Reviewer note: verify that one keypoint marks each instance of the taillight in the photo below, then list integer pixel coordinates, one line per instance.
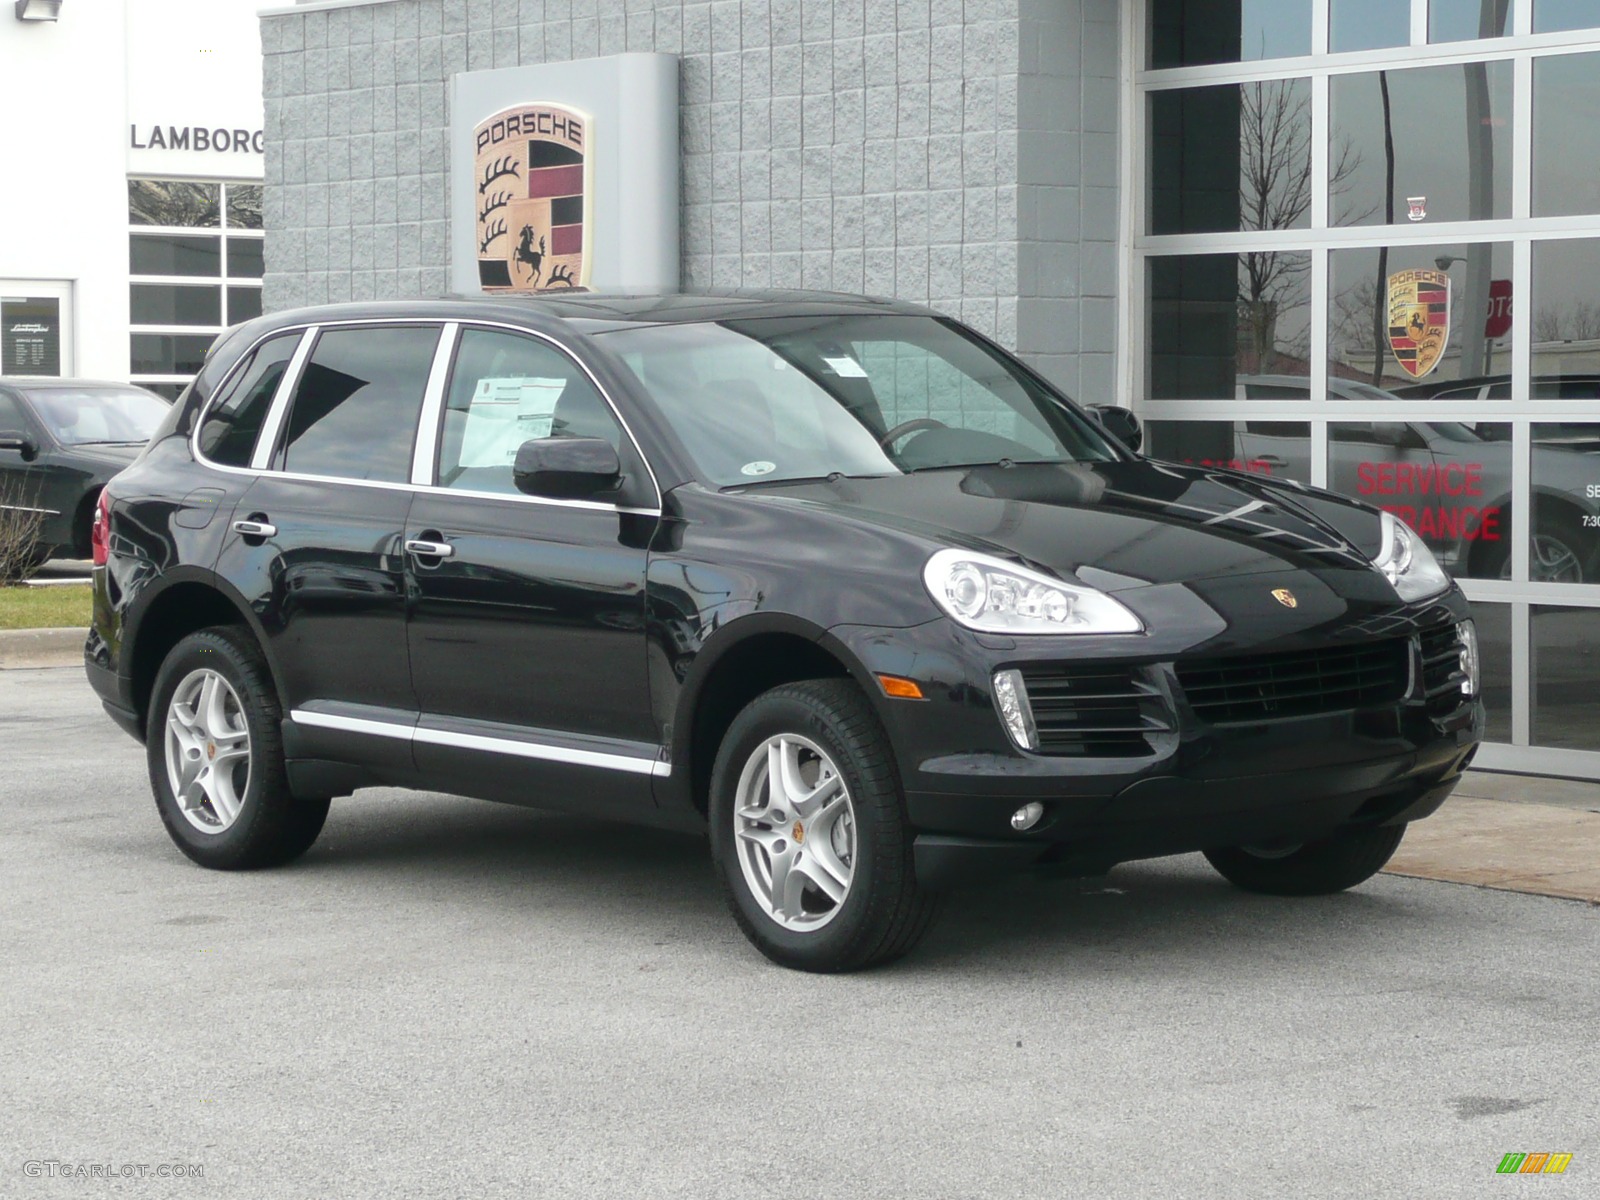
(100, 532)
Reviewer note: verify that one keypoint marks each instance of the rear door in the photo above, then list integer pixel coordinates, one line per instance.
(21, 483)
(315, 542)
(526, 634)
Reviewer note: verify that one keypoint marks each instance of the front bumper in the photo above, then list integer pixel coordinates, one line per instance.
(1194, 786)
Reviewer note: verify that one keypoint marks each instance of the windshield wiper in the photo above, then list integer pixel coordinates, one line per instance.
(831, 477)
(111, 442)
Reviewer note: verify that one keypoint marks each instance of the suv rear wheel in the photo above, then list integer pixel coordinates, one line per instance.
(215, 754)
(1318, 868)
(809, 834)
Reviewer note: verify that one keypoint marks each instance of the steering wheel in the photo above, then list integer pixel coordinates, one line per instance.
(912, 426)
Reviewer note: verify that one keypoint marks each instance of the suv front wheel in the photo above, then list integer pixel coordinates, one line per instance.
(809, 834)
(215, 754)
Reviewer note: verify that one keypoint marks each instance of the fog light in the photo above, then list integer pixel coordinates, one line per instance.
(1011, 698)
(1027, 816)
(1467, 636)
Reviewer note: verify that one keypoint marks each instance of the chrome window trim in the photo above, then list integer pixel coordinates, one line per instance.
(280, 402)
(426, 447)
(542, 751)
(261, 456)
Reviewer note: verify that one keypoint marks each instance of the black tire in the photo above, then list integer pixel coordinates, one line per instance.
(1316, 869)
(883, 912)
(271, 827)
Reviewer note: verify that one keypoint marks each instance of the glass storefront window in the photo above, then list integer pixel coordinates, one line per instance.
(244, 206)
(1552, 15)
(1279, 449)
(1566, 662)
(1368, 24)
(1448, 480)
(172, 202)
(1566, 503)
(171, 254)
(1494, 657)
(1187, 33)
(1232, 157)
(1566, 137)
(174, 304)
(1566, 320)
(169, 353)
(1467, 20)
(1405, 320)
(1421, 144)
(1220, 322)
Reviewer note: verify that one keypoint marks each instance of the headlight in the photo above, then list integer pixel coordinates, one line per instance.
(1407, 563)
(995, 596)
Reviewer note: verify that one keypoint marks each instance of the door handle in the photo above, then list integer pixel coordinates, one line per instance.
(430, 549)
(259, 529)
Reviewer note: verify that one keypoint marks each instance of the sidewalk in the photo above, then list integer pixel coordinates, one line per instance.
(1516, 833)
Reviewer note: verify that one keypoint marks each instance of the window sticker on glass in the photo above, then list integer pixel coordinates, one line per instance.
(846, 368)
(505, 413)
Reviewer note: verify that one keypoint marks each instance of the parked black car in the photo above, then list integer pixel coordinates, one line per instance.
(837, 579)
(60, 440)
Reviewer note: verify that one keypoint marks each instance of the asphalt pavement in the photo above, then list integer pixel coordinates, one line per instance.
(451, 998)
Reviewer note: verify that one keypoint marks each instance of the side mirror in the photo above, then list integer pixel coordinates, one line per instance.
(566, 468)
(24, 445)
(1120, 423)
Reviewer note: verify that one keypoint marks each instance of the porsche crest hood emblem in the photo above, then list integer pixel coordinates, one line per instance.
(1285, 597)
(531, 176)
(1419, 319)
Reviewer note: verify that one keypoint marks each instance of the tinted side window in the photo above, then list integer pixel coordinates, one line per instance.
(507, 389)
(11, 414)
(228, 436)
(355, 408)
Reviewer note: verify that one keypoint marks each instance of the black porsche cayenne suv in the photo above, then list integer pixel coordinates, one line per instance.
(836, 579)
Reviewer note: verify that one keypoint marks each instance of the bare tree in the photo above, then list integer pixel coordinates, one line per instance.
(1275, 193)
(20, 523)
(1577, 322)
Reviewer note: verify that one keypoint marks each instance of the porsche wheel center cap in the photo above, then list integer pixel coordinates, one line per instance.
(799, 832)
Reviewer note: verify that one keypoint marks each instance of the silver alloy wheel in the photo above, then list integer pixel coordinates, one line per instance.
(1550, 560)
(208, 751)
(795, 832)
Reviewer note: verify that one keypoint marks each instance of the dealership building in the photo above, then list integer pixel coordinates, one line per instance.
(130, 207)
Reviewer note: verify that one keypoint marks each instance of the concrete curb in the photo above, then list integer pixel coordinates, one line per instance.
(25, 649)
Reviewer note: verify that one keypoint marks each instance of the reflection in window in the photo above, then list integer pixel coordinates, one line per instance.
(1566, 137)
(1368, 24)
(1566, 503)
(1232, 157)
(1219, 322)
(1185, 33)
(1467, 20)
(1448, 480)
(244, 205)
(1566, 662)
(1277, 449)
(1494, 657)
(174, 304)
(1566, 320)
(1422, 144)
(1552, 15)
(229, 434)
(172, 202)
(354, 414)
(1419, 321)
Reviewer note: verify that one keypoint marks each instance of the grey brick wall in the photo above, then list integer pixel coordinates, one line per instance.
(959, 153)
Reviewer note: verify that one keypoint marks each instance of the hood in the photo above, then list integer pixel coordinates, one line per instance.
(1114, 525)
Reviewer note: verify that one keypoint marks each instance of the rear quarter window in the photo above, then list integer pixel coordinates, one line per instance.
(228, 434)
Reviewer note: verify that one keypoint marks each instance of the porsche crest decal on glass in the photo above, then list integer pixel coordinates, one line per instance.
(1419, 319)
(531, 174)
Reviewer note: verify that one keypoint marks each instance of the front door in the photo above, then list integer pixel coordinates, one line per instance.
(526, 633)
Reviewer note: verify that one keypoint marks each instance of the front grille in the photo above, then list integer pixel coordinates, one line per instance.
(1261, 687)
(1093, 711)
(1442, 675)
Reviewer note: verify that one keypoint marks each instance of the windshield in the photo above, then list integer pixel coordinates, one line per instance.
(804, 398)
(98, 416)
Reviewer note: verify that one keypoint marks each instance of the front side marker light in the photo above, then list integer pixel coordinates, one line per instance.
(899, 688)
(1011, 698)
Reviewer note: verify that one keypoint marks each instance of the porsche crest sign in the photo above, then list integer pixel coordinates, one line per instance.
(1419, 319)
(534, 199)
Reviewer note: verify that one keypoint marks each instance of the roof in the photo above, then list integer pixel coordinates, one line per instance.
(35, 382)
